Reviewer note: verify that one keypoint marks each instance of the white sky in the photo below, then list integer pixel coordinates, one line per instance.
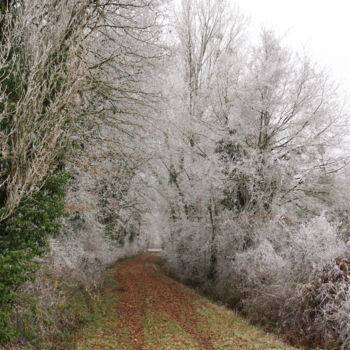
(320, 27)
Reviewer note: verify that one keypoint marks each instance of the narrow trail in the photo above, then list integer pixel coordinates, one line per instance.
(147, 310)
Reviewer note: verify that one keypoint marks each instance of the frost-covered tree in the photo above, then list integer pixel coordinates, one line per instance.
(207, 43)
(117, 107)
(248, 170)
(75, 93)
(285, 126)
(41, 74)
(209, 37)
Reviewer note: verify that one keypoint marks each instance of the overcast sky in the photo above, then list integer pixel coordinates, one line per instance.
(322, 27)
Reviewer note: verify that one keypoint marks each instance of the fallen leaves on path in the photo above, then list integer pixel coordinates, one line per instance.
(150, 311)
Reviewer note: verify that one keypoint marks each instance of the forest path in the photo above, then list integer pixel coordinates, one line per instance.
(147, 310)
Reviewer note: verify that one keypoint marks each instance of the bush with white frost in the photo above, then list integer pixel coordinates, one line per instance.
(249, 176)
(313, 245)
(290, 277)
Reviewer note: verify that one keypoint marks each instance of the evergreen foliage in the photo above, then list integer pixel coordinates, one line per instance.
(23, 236)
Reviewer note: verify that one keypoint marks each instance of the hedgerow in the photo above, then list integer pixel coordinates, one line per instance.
(23, 236)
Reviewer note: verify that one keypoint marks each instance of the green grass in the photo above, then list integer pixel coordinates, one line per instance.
(104, 330)
(227, 330)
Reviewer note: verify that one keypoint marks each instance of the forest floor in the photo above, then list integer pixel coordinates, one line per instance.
(147, 310)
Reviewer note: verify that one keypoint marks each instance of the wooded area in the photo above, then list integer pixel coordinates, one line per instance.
(135, 124)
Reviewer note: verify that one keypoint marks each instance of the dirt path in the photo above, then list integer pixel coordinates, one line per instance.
(149, 311)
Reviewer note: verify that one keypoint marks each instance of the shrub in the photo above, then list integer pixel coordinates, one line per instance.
(287, 276)
(23, 236)
(49, 310)
(322, 306)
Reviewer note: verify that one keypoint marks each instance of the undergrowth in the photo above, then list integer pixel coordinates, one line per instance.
(23, 237)
(49, 313)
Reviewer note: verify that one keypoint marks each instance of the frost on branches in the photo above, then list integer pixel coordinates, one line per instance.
(250, 174)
